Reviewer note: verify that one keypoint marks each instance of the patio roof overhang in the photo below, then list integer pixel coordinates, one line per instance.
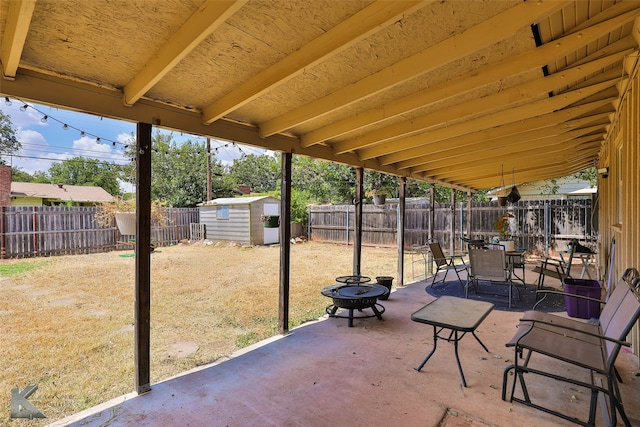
(445, 92)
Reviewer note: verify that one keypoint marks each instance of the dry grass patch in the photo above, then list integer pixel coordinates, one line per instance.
(67, 323)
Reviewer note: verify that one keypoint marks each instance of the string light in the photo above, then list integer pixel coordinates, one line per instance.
(126, 145)
(45, 118)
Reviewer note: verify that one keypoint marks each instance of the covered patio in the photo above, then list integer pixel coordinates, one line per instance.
(451, 93)
(325, 373)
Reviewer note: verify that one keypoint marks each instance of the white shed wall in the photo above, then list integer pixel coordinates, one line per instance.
(236, 228)
(243, 225)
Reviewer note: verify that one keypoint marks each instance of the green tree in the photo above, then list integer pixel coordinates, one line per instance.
(41, 177)
(261, 172)
(82, 171)
(179, 172)
(323, 181)
(589, 174)
(9, 144)
(18, 175)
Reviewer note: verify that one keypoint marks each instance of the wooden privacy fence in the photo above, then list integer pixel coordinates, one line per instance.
(28, 231)
(542, 226)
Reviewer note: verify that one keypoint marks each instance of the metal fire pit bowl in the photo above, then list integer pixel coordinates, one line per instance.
(355, 297)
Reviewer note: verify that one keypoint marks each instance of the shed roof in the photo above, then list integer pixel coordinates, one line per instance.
(67, 193)
(439, 91)
(236, 200)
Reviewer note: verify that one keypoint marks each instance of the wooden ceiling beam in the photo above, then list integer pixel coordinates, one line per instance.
(529, 137)
(524, 175)
(471, 166)
(514, 114)
(209, 16)
(30, 85)
(489, 32)
(455, 137)
(14, 36)
(479, 78)
(350, 31)
(559, 168)
(480, 151)
(503, 100)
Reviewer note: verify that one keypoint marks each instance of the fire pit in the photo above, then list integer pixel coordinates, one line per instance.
(355, 297)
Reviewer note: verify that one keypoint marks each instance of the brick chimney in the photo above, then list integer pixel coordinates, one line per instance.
(244, 188)
(5, 185)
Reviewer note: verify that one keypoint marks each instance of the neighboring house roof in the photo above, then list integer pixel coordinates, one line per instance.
(236, 200)
(540, 189)
(71, 193)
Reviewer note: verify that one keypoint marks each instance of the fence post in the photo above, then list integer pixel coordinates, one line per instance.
(347, 230)
(309, 223)
(546, 228)
(35, 230)
(452, 237)
(400, 225)
(461, 226)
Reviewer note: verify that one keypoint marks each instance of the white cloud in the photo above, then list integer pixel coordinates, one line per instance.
(19, 118)
(125, 138)
(28, 137)
(87, 146)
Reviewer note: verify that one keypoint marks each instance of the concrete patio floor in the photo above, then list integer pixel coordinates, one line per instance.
(325, 373)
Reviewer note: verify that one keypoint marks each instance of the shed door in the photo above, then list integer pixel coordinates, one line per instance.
(271, 235)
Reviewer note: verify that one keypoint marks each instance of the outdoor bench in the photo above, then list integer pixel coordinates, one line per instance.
(591, 347)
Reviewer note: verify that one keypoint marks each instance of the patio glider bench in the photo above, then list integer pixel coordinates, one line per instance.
(590, 348)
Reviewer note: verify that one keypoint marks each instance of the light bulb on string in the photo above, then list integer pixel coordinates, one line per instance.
(24, 107)
(65, 126)
(7, 101)
(44, 119)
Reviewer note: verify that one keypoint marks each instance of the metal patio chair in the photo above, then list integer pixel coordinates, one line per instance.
(489, 265)
(446, 263)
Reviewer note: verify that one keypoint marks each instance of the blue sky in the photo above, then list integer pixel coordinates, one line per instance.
(46, 141)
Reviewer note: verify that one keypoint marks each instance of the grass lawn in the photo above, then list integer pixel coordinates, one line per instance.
(66, 323)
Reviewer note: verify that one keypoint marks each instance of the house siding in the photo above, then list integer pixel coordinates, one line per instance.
(619, 202)
(26, 201)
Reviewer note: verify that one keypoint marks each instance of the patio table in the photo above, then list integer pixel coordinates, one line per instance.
(515, 259)
(454, 317)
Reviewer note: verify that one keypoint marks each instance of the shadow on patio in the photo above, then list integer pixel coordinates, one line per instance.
(324, 373)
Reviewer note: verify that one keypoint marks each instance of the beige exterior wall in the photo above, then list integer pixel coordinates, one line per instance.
(26, 201)
(620, 192)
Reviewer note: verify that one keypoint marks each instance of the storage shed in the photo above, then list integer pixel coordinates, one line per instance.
(241, 219)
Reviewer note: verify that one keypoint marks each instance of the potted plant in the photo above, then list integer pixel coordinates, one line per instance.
(270, 221)
(380, 186)
(123, 211)
(502, 226)
(378, 195)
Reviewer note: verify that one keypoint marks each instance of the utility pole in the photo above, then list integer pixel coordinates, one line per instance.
(208, 169)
